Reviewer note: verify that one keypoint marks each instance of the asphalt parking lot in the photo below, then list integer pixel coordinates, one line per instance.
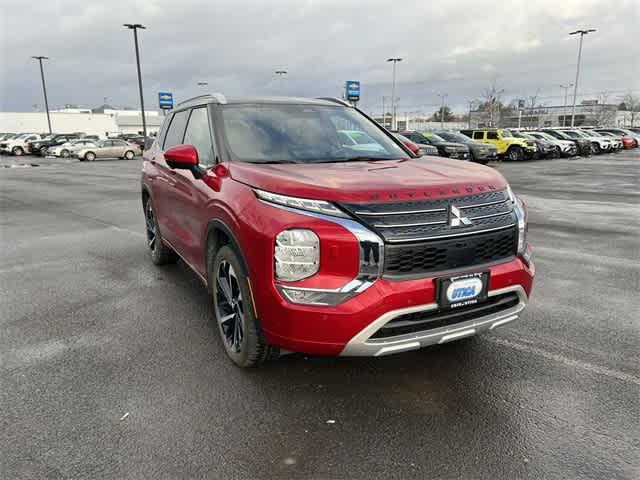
(112, 368)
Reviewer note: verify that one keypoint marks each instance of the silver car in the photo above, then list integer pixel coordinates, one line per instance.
(67, 149)
(113, 148)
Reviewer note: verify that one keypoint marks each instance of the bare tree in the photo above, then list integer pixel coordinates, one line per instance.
(604, 114)
(631, 104)
(492, 98)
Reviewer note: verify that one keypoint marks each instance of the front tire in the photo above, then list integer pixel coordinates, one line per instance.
(238, 326)
(64, 153)
(160, 253)
(18, 151)
(595, 148)
(515, 154)
(89, 156)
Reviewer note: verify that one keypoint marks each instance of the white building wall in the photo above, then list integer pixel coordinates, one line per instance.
(36, 122)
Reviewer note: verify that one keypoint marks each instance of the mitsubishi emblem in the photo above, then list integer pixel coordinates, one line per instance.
(456, 219)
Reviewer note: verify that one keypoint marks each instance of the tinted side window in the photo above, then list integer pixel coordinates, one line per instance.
(492, 135)
(478, 135)
(198, 134)
(175, 134)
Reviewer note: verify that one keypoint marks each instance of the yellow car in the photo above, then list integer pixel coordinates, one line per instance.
(508, 146)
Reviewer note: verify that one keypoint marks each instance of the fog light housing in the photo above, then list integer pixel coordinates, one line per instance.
(297, 254)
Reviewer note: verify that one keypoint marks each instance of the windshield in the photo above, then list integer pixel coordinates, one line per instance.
(506, 134)
(287, 133)
(455, 137)
(572, 134)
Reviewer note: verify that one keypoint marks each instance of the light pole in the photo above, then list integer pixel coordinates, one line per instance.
(494, 96)
(135, 27)
(44, 88)
(443, 96)
(281, 74)
(393, 91)
(575, 87)
(564, 108)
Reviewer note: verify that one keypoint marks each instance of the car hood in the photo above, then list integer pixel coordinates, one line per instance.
(417, 178)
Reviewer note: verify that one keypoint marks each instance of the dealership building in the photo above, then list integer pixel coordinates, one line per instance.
(589, 113)
(103, 121)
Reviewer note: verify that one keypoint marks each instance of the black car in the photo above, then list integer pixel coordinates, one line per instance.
(480, 152)
(40, 147)
(445, 149)
(583, 144)
(544, 148)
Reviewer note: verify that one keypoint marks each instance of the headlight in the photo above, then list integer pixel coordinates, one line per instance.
(297, 254)
(521, 214)
(318, 206)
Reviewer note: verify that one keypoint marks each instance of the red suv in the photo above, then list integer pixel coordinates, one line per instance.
(307, 244)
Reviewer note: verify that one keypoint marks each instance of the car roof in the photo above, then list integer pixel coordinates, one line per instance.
(262, 100)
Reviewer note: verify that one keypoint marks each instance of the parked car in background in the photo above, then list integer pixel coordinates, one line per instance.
(6, 136)
(114, 148)
(19, 144)
(65, 150)
(616, 143)
(599, 144)
(479, 152)
(40, 147)
(623, 132)
(423, 148)
(544, 148)
(508, 146)
(445, 149)
(565, 148)
(408, 143)
(627, 141)
(582, 144)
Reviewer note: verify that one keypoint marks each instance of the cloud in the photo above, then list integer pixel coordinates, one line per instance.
(457, 47)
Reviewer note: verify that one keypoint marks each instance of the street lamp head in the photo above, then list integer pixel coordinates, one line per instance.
(395, 59)
(583, 32)
(40, 57)
(281, 72)
(133, 26)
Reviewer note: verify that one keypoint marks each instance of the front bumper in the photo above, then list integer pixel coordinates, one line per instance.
(364, 345)
(347, 328)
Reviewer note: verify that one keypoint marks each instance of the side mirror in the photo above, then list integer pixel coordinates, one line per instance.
(182, 156)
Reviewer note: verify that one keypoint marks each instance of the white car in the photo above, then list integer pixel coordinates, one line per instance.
(567, 147)
(18, 145)
(616, 143)
(599, 144)
(67, 149)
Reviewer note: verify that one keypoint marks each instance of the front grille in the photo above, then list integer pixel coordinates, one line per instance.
(421, 237)
(448, 254)
(424, 321)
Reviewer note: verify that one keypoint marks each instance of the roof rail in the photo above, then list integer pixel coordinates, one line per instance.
(218, 97)
(336, 100)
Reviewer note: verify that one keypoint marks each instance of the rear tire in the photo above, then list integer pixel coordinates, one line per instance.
(129, 155)
(515, 154)
(17, 151)
(64, 153)
(89, 156)
(160, 253)
(238, 326)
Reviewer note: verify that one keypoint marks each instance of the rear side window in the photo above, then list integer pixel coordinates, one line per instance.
(175, 134)
(478, 135)
(198, 134)
(492, 135)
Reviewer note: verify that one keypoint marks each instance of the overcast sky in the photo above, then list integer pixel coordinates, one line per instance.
(453, 47)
